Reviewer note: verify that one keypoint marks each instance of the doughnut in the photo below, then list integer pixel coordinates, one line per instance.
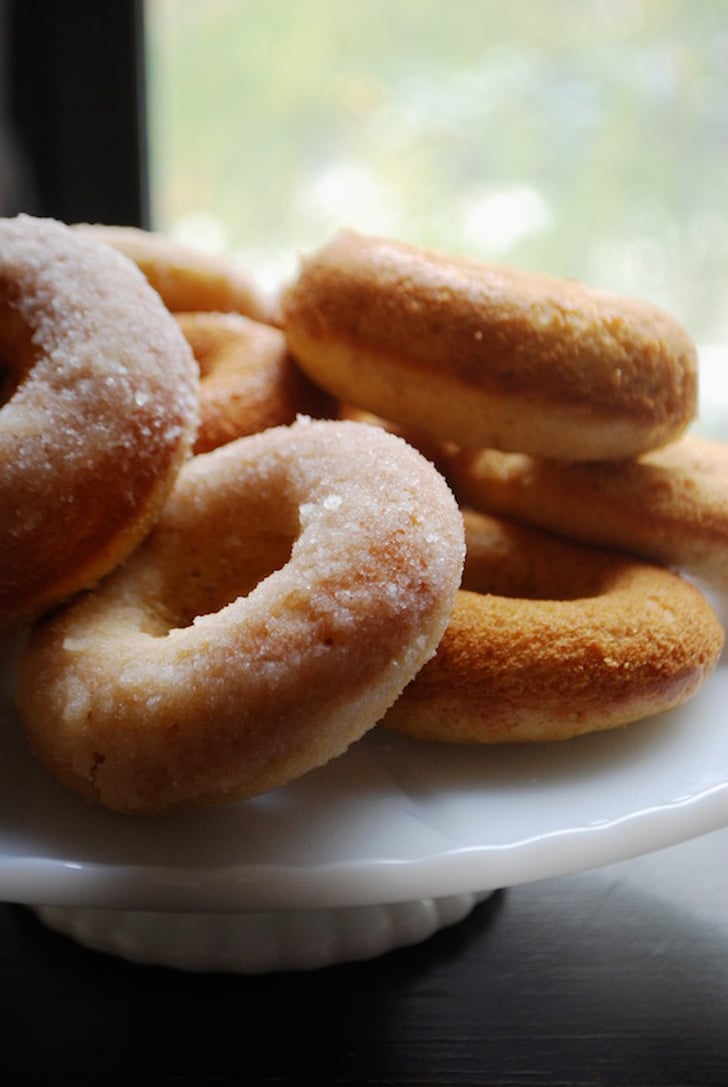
(99, 412)
(668, 506)
(550, 639)
(295, 582)
(487, 356)
(438, 451)
(248, 380)
(186, 278)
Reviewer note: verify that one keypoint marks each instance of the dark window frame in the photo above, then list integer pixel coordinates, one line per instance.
(75, 87)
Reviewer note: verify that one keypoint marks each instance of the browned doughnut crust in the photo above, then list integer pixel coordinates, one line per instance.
(248, 379)
(295, 582)
(489, 356)
(100, 413)
(669, 506)
(550, 639)
(187, 278)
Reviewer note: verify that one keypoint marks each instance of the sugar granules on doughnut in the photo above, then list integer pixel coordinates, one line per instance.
(295, 582)
(101, 412)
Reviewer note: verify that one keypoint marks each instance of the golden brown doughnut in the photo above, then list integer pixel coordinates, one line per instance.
(487, 356)
(100, 412)
(550, 639)
(669, 506)
(248, 380)
(187, 278)
(295, 582)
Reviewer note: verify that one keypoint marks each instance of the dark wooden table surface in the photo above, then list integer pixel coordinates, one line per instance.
(617, 976)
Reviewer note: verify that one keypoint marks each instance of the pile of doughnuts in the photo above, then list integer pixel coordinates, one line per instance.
(558, 413)
(415, 491)
(199, 626)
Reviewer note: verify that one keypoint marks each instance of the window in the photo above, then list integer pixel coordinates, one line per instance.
(586, 138)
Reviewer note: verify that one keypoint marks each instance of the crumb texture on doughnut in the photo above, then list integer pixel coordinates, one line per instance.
(668, 506)
(294, 584)
(550, 639)
(186, 278)
(100, 411)
(489, 356)
(248, 379)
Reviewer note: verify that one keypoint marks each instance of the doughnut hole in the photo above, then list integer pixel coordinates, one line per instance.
(197, 580)
(510, 560)
(550, 639)
(17, 355)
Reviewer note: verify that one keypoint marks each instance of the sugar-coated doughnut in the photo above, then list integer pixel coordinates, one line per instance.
(669, 505)
(295, 582)
(187, 278)
(248, 379)
(489, 356)
(436, 450)
(99, 413)
(550, 639)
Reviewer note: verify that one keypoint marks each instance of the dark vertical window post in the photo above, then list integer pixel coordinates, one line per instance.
(74, 85)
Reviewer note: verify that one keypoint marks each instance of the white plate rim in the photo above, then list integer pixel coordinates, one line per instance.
(643, 821)
(682, 794)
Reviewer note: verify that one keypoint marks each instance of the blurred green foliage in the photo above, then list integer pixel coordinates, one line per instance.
(586, 138)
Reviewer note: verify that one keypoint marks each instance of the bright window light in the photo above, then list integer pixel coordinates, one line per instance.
(586, 138)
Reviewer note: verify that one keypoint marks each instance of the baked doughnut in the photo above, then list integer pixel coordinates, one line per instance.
(487, 356)
(550, 639)
(295, 582)
(248, 380)
(436, 450)
(187, 278)
(100, 412)
(668, 506)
